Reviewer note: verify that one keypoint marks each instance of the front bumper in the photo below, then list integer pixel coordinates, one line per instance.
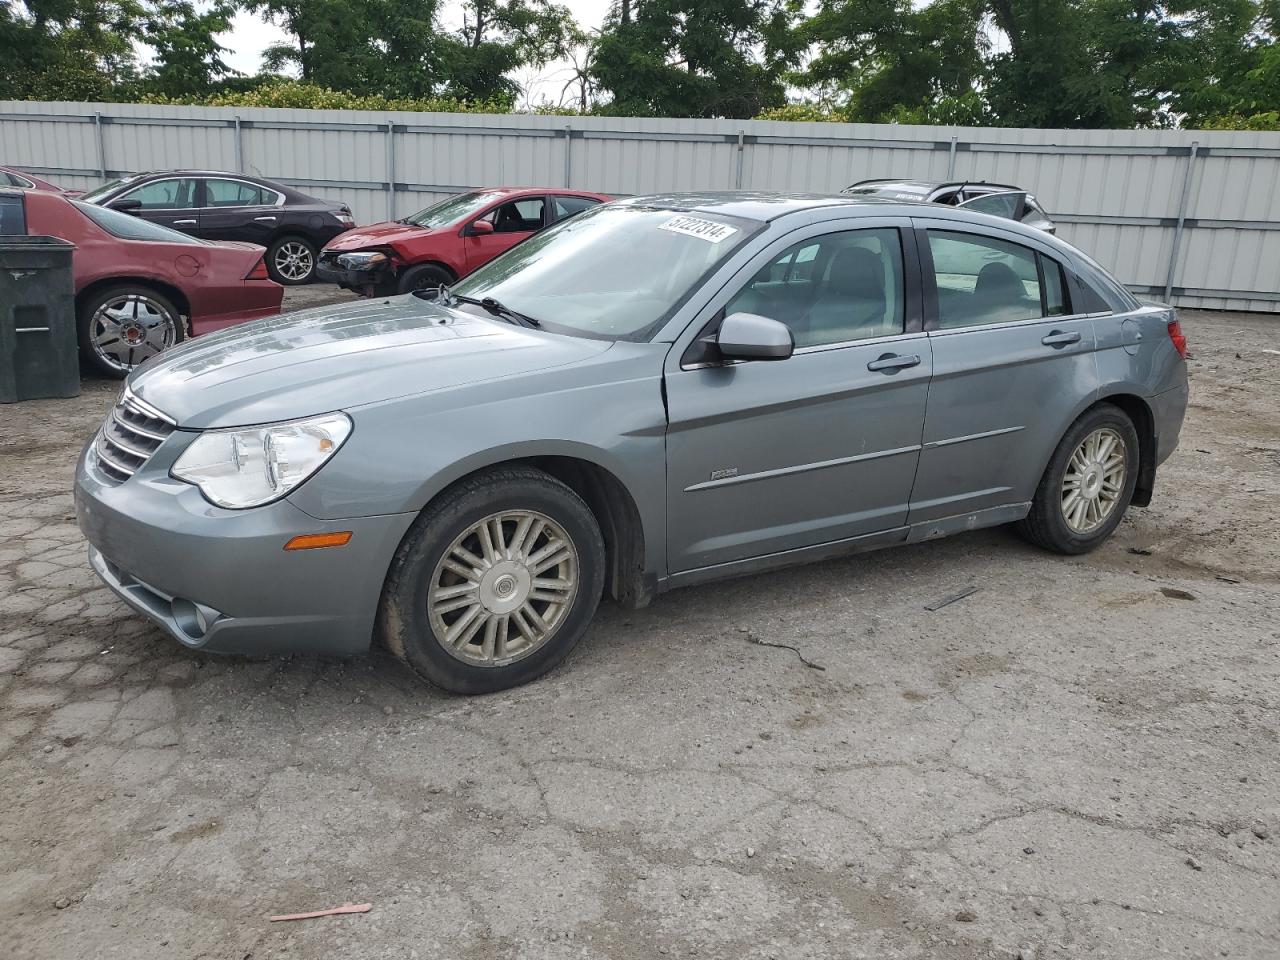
(327, 268)
(220, 580)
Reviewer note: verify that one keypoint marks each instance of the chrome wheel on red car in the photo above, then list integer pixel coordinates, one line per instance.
(125, 326)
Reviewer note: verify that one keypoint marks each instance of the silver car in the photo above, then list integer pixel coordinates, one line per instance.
(997, 199)
(661, 391)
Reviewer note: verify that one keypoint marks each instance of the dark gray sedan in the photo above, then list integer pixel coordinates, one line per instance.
(658, 392)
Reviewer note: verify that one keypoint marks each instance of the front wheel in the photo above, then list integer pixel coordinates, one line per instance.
(1088, 484)
(291, 261)
(425, 276)
(495, 583)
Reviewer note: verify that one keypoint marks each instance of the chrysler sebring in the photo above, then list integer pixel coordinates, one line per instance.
(657, 392)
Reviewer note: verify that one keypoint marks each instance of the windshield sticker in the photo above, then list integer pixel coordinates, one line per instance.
(707, 230)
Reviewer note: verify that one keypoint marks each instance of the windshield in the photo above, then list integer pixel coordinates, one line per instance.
(452, 210)
(97, 193)
(128, 227)
(615, 272)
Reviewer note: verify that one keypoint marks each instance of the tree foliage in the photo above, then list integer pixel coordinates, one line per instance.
(1036, 63)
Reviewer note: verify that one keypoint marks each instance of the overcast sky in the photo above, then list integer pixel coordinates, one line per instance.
(249, 36)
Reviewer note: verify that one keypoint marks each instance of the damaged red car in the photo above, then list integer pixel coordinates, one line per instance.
(447, 240)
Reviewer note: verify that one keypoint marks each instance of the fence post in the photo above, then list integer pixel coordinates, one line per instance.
(391, 168)
(951, 159)
(1182, 219)
(737, 179)
(568, 156)
(102, 145)
(239, 147)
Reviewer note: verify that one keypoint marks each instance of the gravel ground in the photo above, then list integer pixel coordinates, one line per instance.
(1080, 760)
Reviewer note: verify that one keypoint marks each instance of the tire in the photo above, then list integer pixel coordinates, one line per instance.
(425, 276)
(291, 260)
(413, 622)
(146, 323)
(1058, 523)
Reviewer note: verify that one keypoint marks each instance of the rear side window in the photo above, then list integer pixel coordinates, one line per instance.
(128, 227)
(986, 280)
(233, 193)
(13, 216)
(568, 206)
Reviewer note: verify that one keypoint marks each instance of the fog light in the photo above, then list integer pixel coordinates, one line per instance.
(193, 619)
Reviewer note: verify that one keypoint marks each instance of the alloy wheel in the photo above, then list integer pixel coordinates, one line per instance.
(129, 329)
(503, 588)
(1094, 480)
(293, 260)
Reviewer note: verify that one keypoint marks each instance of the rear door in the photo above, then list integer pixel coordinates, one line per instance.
(171, 202)
(512, 222)
(1011, 359)
(765, 457)
(238, 210)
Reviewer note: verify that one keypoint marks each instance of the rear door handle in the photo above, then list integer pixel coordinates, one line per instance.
(264, 218)
(1059, 339)
(185, 223)
(893, 361)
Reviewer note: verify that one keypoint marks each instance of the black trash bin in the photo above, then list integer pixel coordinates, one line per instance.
(38, 356)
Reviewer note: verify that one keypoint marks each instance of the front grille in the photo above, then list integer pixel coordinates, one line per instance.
(131, 434)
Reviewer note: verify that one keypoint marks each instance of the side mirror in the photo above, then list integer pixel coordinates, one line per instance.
(480, 228)
(749, 336)
(126, 206)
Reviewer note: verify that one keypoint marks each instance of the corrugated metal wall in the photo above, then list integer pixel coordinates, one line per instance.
(1193, 213)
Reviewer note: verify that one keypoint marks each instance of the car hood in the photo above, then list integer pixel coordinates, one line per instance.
(379, 235)
(340, 357)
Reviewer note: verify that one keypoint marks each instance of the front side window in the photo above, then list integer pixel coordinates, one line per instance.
(234, 193)
(164, 195)
(128, 227)
(518, 216)
(831, 289)
(613, 272)
(984, 280)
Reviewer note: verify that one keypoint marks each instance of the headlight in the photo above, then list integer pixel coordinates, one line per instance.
(250, 466)
(361, 261)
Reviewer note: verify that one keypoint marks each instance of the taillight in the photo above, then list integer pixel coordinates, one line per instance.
(259, 271)
(344, 217)
(1178, 337)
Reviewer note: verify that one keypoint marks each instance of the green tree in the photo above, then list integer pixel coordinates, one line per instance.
(888, 60)
(695, 58)
(500, 36)
(188, 56)
(66, 49)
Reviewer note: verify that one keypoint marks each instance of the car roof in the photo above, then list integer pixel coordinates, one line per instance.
(755, 205)
(927, 186)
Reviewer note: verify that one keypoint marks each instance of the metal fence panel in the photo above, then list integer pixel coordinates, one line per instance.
(1193, 213)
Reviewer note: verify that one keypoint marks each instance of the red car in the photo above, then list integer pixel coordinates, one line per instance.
(445, 242)
(136, 281)
(13, 177)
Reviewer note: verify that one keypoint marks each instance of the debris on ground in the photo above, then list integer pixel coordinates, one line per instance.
(947, 601)
(1173, 593)
(345, 908)
(1140, 551)
(752, 638)
(965, 916)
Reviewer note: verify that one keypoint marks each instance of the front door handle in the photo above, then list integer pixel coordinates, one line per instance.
(1060, 339)
(264, 218)
(185, 223)
(890, 362)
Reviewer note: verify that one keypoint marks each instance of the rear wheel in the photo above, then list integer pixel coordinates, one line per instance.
(122, 327)
(425, 276)
(1088, 484)
(291, 260)
(495, 583)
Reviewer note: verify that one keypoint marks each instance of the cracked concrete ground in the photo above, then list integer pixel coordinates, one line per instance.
(1069, 763)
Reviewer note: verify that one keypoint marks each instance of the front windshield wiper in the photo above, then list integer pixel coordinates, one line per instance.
(495, 307)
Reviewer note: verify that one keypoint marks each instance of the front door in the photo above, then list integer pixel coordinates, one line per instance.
(765, 457)
(173, 202)
(512, 222)
(1011, 360)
